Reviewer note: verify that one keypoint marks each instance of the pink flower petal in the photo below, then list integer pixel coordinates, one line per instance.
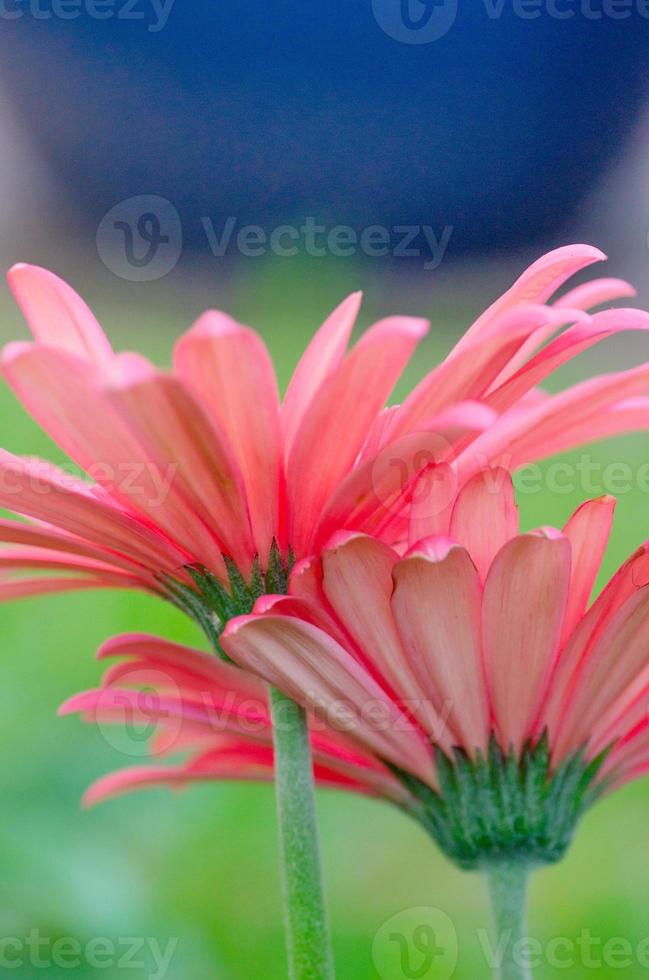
(339, 419)
(523, 607)
(588, 531)
(485, 517)
(323, 356)
(56, 316)
(229, 369)
(314, 670)
(436, 605)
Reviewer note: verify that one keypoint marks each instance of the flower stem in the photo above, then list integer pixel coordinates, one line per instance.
(508, 890)
(307, 928)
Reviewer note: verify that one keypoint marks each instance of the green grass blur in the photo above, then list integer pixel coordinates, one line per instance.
(199, 866)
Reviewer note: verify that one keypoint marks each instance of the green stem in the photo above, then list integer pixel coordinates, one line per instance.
(508, 890)
(307, 928)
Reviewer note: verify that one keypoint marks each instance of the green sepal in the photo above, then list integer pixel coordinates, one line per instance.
(212, 604)
(505, 806)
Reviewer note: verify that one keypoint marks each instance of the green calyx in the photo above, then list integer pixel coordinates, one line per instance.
(505, 807)
(213, 604)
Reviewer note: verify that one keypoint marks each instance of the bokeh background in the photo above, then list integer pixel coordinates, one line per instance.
(132, 136)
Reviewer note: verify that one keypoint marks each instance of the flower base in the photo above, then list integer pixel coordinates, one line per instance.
(504, 808)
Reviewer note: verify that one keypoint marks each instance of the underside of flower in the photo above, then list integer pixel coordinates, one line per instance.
(212, 605)
(502, 808)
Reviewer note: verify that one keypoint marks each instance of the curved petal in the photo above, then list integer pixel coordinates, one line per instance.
(318, 673)
(522, 616)
(229, 368)
(485, 516)
(535, 285)
(588, 531)
(56, 315)
(357, 581)
(339, 419)
(436, 605)
(323, 356)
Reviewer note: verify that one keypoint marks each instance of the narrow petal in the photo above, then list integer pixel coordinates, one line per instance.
(314, 670)
(595, 293)
(485, 517)
(358, 583)
(378, 492)
(339, 419)
(536, 285)
(323, 356)
(433, 495)
(36, 491)
(588, 531)
(571, 343)
(228, 367)
(632, 576)
(618, 654)
(203, 503)
(436, 605)
(56, 316)
(522, 618)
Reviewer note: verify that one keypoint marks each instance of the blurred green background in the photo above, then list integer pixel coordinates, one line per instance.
(199, 867)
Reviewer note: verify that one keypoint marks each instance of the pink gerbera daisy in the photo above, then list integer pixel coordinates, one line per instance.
(204, 488)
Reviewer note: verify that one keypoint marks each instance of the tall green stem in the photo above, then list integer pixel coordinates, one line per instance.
(307, 928)
(508, 890)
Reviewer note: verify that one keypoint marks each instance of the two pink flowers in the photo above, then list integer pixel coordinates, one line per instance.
(365, 561)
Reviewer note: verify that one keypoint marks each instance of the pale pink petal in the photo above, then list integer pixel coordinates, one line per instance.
(35, 491)
(56, 316)
(617, 655)
(523, 607)
(203, 503)
(595, 293)
(632, 576)
(339, 418)
(228, 367)
(588, 531)
(584, 413)
(574, 341)
(377, 494)
(323, 356)
(485, 516)
(314, 670)
(146, 647)
(11, 589)
(358, 583)
(433, 495)
(536, 285)
(468, 373)
(42, 536)
(436, 605)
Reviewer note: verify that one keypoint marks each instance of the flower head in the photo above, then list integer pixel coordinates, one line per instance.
(202, 487)
(473, 668)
